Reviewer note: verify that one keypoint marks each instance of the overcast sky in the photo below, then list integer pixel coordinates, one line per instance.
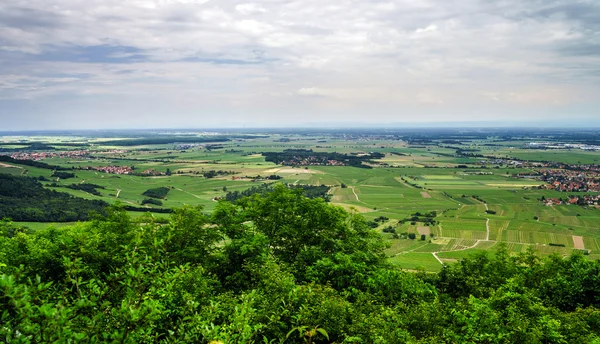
(78, 64)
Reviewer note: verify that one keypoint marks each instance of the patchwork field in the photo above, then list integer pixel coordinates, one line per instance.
(477, 206)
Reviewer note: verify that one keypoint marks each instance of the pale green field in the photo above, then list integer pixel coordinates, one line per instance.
(463, 227)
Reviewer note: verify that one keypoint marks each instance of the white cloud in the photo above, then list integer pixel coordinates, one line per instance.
(373, 57)
(248, 9)
(314, 91)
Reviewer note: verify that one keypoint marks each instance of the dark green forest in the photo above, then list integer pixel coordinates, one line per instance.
(310, 191)
(25, 199)
(32, 163)
(304, 157)
(276, 268)
(88, 187)
(159, 193)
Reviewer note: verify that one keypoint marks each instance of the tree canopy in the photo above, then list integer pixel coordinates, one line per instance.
(276, 268)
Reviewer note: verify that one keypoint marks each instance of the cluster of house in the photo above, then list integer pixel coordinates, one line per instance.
(545, 164)
(37, 156)
(153, 172)
(574, 200)
(115, 169)
(513, 162)
(553, 145)
(312, 161)
(184, 146)
(569, 181)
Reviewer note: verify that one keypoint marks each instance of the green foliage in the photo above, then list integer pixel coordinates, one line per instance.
(63, 175)
(25, 199)
(159, 193)
(89, 188)
(275, 268)
(32, 163)
(152, 201)
(303, 157)
(310, 191)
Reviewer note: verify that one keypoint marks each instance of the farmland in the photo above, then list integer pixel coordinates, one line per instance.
(478, 200)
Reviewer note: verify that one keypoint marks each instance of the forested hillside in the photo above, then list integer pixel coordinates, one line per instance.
(276, 268)
(25, 199)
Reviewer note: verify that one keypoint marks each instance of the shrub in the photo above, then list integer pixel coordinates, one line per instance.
(152, 201)
(160, 193)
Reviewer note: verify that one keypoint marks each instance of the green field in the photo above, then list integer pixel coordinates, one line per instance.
(415, 179)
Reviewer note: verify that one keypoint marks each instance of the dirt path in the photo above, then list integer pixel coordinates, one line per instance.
(425, 195)
(436, 257)
(578, 242)
(83, 181)
(487, 224)
(404, 183)
(411, 250)
(118, 192)
(189, 193)
(355, 195)
(459, 249)
(9, 166)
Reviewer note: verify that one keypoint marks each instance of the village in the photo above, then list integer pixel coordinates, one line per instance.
(566, 180)
(312, 161)
(573, 200)
(38, 156)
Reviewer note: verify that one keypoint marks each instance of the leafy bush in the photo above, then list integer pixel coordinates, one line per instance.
(160, 193)
(277, 267)
(63, 175)
(152, 201)
(89, 188)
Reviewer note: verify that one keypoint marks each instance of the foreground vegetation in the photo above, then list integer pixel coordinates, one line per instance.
(276, 267)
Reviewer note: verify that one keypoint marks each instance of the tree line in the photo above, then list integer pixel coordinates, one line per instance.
(302, 157)
(32, 163)
(310, 191)
(276, 268)
(25, 199)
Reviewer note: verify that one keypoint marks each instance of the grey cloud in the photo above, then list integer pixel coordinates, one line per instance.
(263, 57)
(29, 18)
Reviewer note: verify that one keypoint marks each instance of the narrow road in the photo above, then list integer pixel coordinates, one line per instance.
(189, 193)
(460, 249)
(436, 257)
(487, 224)
(404, 183)
(355, 195)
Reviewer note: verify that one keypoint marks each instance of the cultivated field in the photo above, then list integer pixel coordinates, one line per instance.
(478, 206)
